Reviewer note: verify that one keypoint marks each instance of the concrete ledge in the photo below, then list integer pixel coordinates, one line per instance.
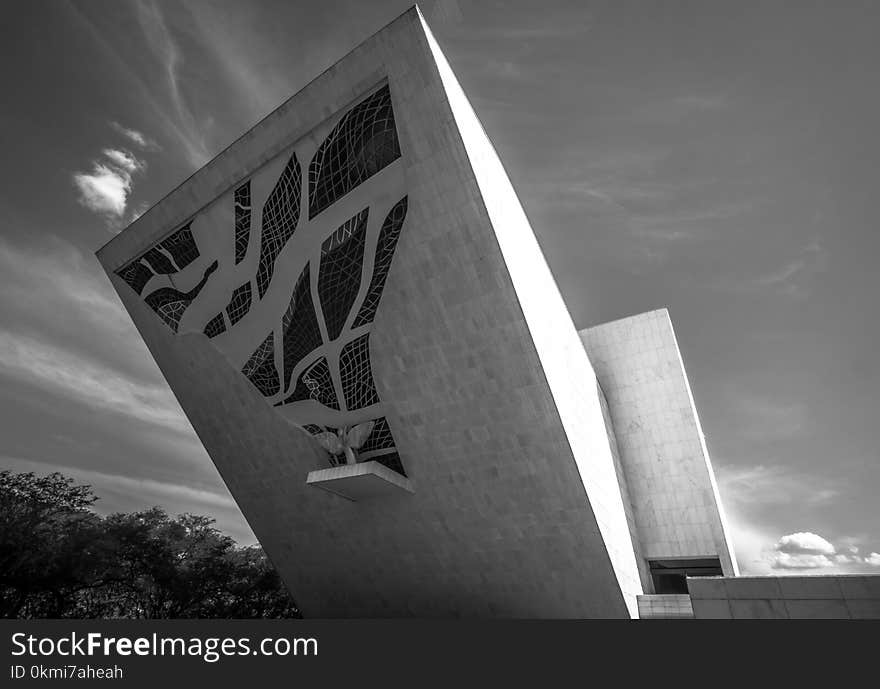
(752, 587)
(835, 596)
(707, 587)
(860, 587)
(711, 609)
(816, 609)
(665, 606)
(362, 481)
(810, 587)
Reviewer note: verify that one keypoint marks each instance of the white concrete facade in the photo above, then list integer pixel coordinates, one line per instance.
(520, 492)
(515, 510)
(676, 506)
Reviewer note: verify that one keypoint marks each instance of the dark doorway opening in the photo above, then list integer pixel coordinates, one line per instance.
(670, 576)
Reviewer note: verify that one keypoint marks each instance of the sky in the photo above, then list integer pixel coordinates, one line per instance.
(714, 158)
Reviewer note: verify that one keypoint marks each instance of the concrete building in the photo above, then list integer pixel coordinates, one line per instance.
(355, 315)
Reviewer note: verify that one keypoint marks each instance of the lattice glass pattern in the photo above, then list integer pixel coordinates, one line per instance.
(299, 325)
(380, 438)
(181, 246)
(242, 198)
(315, 383)
(388, 236)
(170, 303)
(136, 275)
(362, 143)
(159, 262)
(240, 303)
(390, 460)
(280, 217)
(339, 277)
(357, 377)
(260, 369)
(215, 326)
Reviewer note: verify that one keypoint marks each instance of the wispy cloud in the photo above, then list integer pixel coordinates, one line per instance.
(606, 180)
(117, 493)
(52, 281)
(549, 26)
(765, 416)
(123, 160)
(749, 490)
(106, 188)
(445, 12)
(137, 138)
(139, 210)
(255, 72)
(747, 486)
(190, 139)
(793, 277)
(631, 188)
(65, 331)
(160, 39)
(689, 224)
(143, 487)
(84, 381)
(676, 109)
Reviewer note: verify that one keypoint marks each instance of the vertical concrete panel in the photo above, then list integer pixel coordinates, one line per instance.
(677, 508)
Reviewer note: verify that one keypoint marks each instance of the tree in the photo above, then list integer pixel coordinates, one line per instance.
(60, 559)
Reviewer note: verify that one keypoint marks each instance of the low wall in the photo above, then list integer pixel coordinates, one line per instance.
(786, 598)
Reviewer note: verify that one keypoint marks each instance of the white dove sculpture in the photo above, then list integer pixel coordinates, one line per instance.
(347, 440)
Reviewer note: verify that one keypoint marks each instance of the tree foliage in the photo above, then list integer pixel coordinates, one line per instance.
(59, 559)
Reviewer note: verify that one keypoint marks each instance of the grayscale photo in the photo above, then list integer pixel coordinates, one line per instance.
(502, 310)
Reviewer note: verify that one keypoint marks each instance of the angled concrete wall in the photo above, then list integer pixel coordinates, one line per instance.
(516, 510)
(566, 368)
(676, 506)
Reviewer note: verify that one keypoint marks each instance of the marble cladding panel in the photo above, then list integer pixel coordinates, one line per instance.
(668, 474)
(665, 606)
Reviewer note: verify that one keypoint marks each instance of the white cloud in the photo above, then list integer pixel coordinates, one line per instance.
(135, 137)
(800, 561)
(805, 543)
(104, 190)
(749, 491)
(804, 550)
(124, 160)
